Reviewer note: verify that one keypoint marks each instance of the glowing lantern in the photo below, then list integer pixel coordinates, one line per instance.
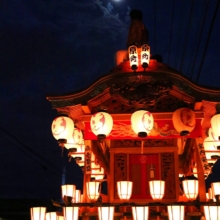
(142, 122)
(101, 124)
(215, 124)
(62, 128)
(216, 190)
(212, 136)
(190, 188)
(71, 213)
(124, 189)
(98, 174)
(133, 57)
(68, 193)
(184, 120)
(145, 55)
(209, 144)
(51, 216)
(93, 191)
(140, 212)
(157, 188)
(38, 213)
(78, 196)
(106, 213)
(79, 155)
(212, 212)
(175, 212)
(75, 140)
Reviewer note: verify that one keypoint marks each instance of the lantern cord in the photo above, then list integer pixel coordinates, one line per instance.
(103, 146)
(142, 147)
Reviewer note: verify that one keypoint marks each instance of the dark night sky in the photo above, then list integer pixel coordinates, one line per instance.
(59, 46)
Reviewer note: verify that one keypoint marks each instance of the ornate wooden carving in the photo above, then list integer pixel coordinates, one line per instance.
(148, 142)
(120, 170)
(133, 87)
(168, 174)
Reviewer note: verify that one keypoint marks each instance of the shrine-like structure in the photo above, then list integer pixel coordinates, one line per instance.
(164, 154)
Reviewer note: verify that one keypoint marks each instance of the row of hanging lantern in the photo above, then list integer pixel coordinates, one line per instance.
(124, 189)
(136, 54)
(101, 124)
(142, 122)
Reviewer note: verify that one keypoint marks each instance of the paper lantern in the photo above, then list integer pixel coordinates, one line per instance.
(133, 57)
(78, 196)
(142, 122)
(175, 212)
(51, 216)
(212, 212)
(140, 212)
(106, 213)
(216, 190)
(145, 55)
(190, 188)
(70, 213)
(38, 213)
(101, 124)
(68, 191)
(124, 189)
(209, 144)
(62, 128)
(184, 120)
(79, 155)
(215, 124)
(157, 188)
(93, 190)
(75, 140)
(98, 174)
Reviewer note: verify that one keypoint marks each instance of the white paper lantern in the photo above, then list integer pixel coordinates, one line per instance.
(101, 124)
(216, 190)
(190, 188)
(69, 191)
(78, 196)
(142, 122)
(133, 57)
(38, 213)
(62, 128)
(79, 155)
(98, 174)
(124, 189)
(212, 212)
(106, 213)
(215, 124)
(51, 216)
(211, 135)
(75, 140)
(184, 120)
(140, 212)
(93, 190)
(70, 213)
(209, 144)
(157, 188)
(176, 212)
(145, 55)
